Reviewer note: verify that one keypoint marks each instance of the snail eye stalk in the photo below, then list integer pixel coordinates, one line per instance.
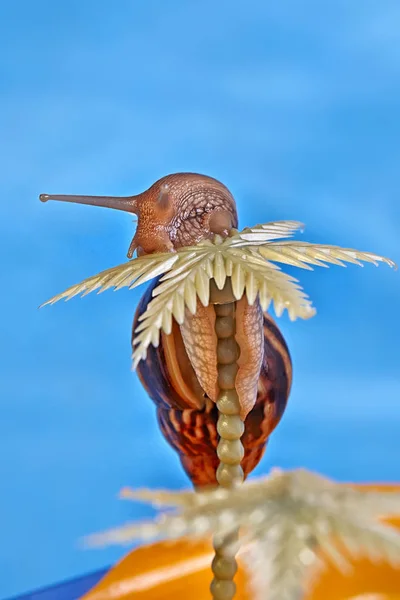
(125, 203)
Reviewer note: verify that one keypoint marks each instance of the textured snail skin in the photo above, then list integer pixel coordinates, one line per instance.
(188, 419)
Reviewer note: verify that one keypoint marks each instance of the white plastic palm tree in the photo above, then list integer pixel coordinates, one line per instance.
(288, 520)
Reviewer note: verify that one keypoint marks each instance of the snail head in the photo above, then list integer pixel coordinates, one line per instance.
(178, 210)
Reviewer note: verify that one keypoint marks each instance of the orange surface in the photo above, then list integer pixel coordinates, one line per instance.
(161, 571)
(180, 570)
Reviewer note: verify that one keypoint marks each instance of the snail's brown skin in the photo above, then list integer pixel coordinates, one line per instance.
(182, 375)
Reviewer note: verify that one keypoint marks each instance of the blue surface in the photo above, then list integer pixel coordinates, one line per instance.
(295, 108)
(66, 590)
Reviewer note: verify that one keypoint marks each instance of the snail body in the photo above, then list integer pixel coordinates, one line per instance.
(240, 349)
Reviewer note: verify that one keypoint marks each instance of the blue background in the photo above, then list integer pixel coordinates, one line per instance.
(295, 107)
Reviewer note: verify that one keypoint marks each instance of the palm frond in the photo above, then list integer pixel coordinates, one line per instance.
(290, 520)
(267, 231)
(130, 274)
(285, 572)
(318, 254)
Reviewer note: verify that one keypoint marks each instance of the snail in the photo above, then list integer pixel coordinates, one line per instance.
(219, 371)
(228, 348)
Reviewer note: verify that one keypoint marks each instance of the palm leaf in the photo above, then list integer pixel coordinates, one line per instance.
(267, 231)
(130, 274)
(318, 254)
(170, 299)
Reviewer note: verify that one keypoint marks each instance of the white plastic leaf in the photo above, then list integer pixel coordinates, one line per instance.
(219, 270)
(190, 295)
(202, 283)
(266, 232)
(238, 280)
(131, 272)
(169, 299)
(308, 253)
(252, 287)
(178, 309)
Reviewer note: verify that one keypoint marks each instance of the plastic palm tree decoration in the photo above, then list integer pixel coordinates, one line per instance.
(219, 371)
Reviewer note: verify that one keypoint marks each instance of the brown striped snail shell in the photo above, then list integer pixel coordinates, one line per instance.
(170, 380)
